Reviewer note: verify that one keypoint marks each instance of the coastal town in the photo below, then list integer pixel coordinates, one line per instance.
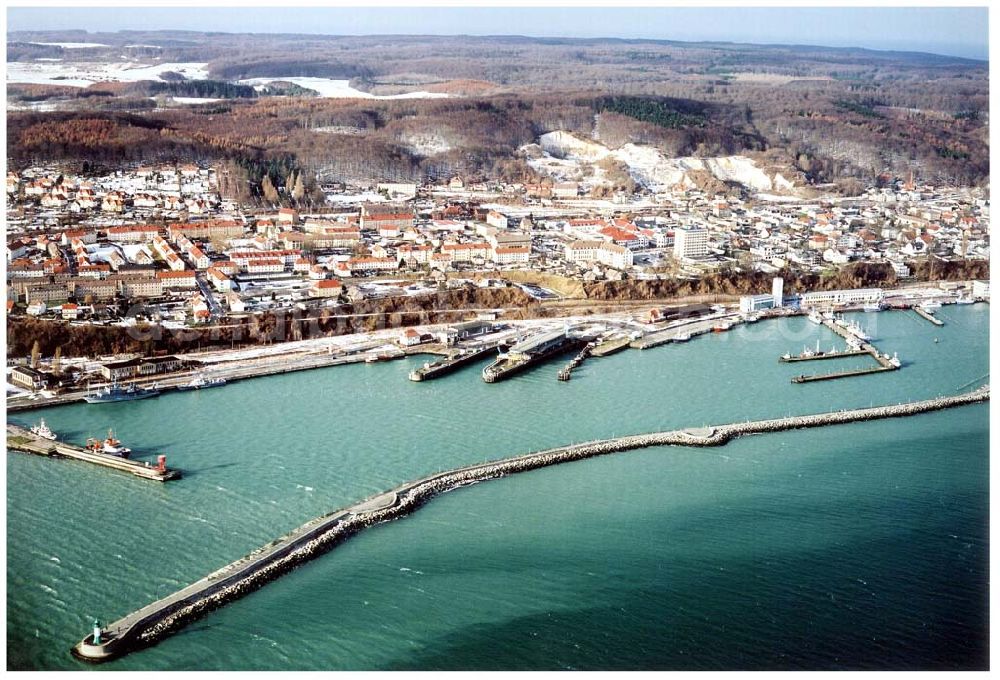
(650, 322)
(160, 245)
(89, 249)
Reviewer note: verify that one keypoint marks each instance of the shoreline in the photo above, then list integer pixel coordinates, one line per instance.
(335, 350)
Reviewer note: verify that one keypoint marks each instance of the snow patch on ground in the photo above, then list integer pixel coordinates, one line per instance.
(426, 144)
(84, 74)
(335, 89)
(71, 45)
(568, 157)
(196, 100)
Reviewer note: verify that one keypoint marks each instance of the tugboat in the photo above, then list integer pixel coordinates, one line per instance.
(109, 446)
(42, 430)
(116, 393)
(200, 383)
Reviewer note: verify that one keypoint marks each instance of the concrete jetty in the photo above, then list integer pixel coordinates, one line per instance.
(451, 363)
(819, 356)
(615, 343)
(21, 439)
(678, 333)
(531, 352)
(884, 362)
(921, 312)
(163, 617)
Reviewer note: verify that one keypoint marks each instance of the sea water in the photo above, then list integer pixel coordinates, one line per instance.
(858, 546)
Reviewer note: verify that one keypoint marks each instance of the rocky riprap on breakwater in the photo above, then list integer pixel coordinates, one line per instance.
(322, 534)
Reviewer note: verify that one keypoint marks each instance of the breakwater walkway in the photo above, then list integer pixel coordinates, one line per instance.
(20, 439)
(163, 617)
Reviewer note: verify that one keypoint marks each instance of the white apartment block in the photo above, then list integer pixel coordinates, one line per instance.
(690, 242)
(605, 252)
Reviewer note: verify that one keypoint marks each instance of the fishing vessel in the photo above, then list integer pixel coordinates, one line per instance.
(115, 392)
(201, 383)
(858, 331)
(110, 446)
(42, 430)
(963, 300)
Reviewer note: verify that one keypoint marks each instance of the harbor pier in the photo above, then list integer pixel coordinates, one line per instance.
(864, 347)
(531, 352)
(921, 312)
(451, 363)
(21, 439)
(153, 622)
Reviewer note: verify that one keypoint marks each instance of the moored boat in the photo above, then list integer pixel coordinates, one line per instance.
(42, 430)
(115, 392)
(201, 383)
(110, 446)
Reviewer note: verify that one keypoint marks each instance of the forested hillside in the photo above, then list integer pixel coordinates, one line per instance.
(833, 114)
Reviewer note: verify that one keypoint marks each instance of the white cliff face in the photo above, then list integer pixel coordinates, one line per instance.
(566, 156)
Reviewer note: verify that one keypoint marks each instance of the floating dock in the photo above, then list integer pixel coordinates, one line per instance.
(153, 622)
(449, 364)
(21, 439)
(927, 315)
(531, 352)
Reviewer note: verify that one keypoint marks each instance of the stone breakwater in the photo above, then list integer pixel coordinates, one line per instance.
(157, 620)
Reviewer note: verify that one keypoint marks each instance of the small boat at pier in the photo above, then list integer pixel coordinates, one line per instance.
(42, 430)
(816, 317)
(114, 392)
(201, 383)
(110, 446)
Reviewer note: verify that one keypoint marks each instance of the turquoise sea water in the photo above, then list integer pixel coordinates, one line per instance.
(858, 546)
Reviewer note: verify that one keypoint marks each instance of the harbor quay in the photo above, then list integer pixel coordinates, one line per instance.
(24, 440)
(159, 619)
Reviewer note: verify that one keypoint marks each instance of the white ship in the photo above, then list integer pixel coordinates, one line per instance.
(201, 383)
(42, 430)
(858, 331)
(110, 446)
(815, 317)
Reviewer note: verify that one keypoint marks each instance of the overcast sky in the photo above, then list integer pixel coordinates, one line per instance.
(956, 31)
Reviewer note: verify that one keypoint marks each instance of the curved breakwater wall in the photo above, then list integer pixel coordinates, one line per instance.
(158, 620)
